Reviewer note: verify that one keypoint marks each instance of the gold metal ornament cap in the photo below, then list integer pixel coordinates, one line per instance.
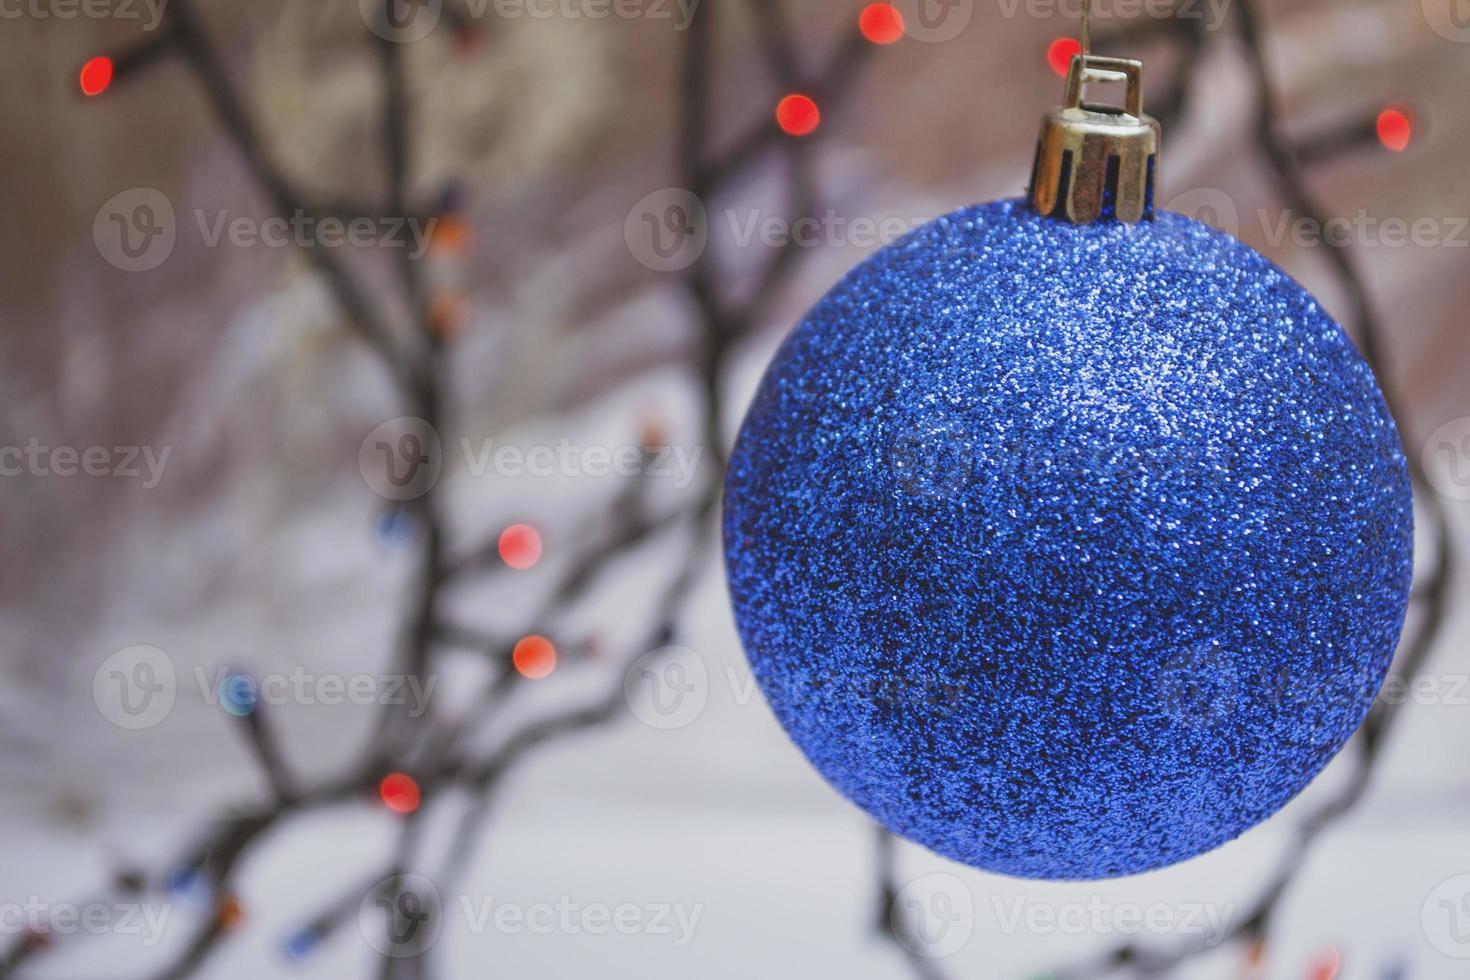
(1097, 162)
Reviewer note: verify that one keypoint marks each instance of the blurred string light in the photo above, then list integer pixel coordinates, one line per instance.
(468, 39)
(395, 528)
(451, 240)
(300, 944)
(881, 23)
(96, 75)
(1255, 959)
(534, 657)
(519, 546)
(451, 235)
(798, 115)
(1395, 129)
(190, 886)
(448, 312)
(653, 430)
(230, 913)
(238, 694)
(399, 792)
(1325, 965)
(1059, 54)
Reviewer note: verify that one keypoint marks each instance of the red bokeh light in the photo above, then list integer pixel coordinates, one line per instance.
(1395, 129)
(520, 546)
(399, 792)
(1326, 965)
(96, 76)
(797, 115)
(881, 23)
(1059, 54)
(534, 657)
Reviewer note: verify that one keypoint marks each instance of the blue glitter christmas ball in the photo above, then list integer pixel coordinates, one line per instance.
(1068, 551)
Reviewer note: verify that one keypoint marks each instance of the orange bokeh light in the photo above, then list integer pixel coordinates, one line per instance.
(230, 912)
(534, 657)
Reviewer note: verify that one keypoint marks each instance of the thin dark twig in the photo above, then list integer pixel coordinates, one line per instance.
(268, 752)
(436, 752)
(200, 56)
